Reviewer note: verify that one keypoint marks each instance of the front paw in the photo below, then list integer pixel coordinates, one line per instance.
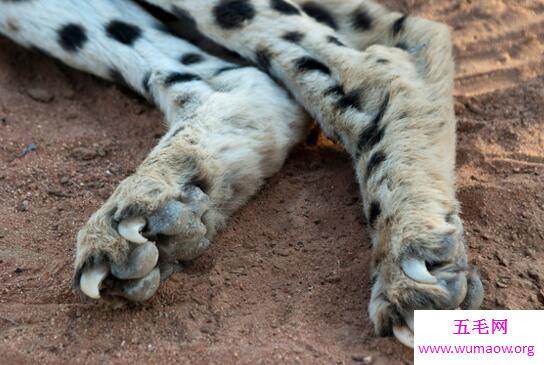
(136, 239)
(429, 272)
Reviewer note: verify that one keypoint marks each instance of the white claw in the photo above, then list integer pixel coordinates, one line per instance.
(91, 280)
(417, 270)
(130, 229)
(404, 335)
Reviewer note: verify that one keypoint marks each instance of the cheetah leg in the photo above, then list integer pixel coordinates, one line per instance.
(223, 138)
(398, 129)
(366, 23)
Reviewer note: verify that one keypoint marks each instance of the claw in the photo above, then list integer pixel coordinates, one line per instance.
(404, 335)
(91, 280)
(417, 270)
(140, 262)
(131, 228)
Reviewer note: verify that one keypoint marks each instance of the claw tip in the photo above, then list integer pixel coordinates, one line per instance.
(404, 335)
(91, 279)
(417, 270)
(130, 229)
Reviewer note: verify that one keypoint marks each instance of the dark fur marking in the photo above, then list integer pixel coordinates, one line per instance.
(335, 90)
(145, 83)
(123, 32)
(191, 58)
(72, 37)
(263, 57)
(226, 69)
(176, 77)
(320, 14)
(373, 134)
(398, 24)
(374, 212)
(184, 16)
(284, 7)
(361, 20)
(232, 14)
(334, 40)
(349, 100)
(373, 163)
(117, 77)
(305, 64)
(293, 37)
(345, 101)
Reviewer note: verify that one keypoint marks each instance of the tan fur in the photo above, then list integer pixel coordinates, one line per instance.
(383, 90)
(415, 185)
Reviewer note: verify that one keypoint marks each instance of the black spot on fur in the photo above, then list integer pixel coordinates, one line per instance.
(145, 83)
(191, 58)
(382, 60)
(398, 24)
(374, 212)
(334, 40)
(226, 69)
(345, 100)
(361, 20)
(176, 77)
(263, 57)
(349, 100)
(305, 64)
(232, 14)
(373, 134)
(159, 13)
(72, 37)
(370, 137)
(374, 162)
(117, 77)
(335, 90)
(293, 37)
(320, 14)
(123, 32)
(184, 17)
(284, 7)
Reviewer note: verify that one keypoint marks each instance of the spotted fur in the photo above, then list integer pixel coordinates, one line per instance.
(379, 82)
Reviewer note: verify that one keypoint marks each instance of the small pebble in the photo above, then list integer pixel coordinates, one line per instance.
(362, 358)
(39, 94)
(23, 206)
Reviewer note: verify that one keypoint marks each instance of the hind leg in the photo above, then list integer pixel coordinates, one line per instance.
(366, 23)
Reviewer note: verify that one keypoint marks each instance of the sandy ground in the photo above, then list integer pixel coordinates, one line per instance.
(287, 281)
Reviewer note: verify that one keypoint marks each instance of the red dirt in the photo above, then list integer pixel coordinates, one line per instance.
(288, 280)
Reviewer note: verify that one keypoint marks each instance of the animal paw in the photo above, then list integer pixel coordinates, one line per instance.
(137, 237)
(427, 272)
